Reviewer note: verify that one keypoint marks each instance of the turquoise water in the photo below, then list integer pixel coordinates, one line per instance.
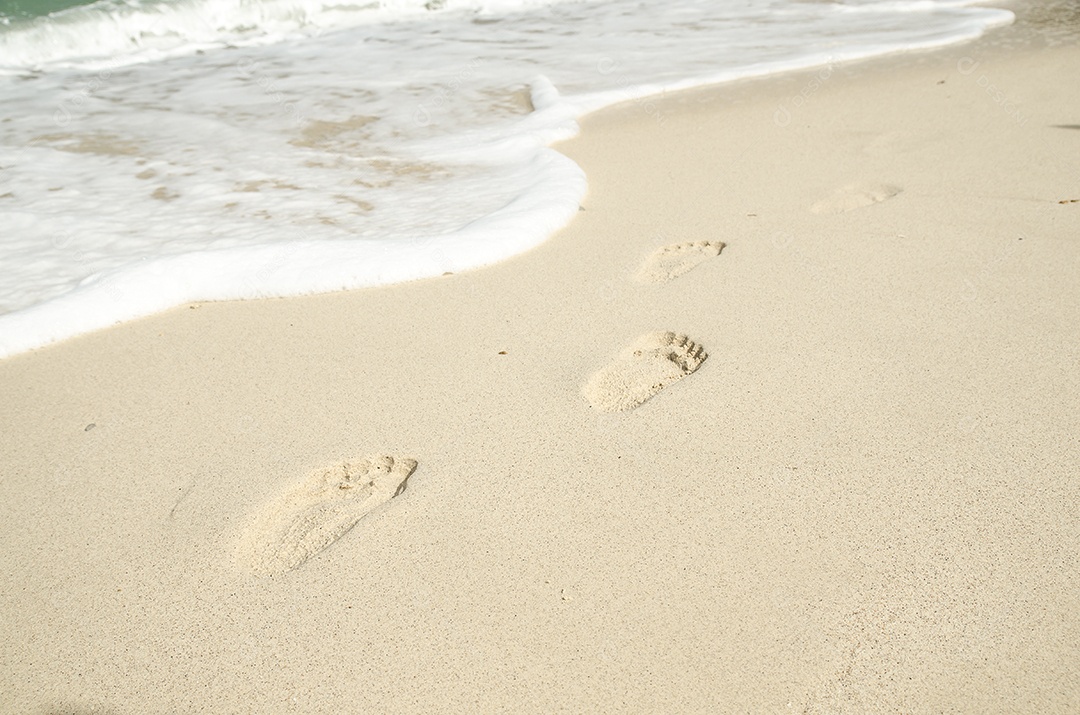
(24, 9)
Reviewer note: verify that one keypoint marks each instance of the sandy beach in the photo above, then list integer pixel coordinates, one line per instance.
(820, 455)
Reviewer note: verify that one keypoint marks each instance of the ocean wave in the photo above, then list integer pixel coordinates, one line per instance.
(118, 32)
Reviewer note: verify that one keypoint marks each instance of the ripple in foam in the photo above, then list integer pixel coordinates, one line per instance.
(389, 150)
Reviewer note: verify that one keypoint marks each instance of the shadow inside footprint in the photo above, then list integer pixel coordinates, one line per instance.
(670, 262)
(318, 511)
(648, 365)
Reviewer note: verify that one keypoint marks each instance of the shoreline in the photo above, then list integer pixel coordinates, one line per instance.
(115, 294)
(862, 500)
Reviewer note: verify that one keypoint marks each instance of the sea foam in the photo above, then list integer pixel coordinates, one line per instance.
(320, 148)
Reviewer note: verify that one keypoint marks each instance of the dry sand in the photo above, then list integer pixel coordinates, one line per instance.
(863, 500)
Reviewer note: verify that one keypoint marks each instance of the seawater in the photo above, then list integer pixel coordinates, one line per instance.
(161, 152)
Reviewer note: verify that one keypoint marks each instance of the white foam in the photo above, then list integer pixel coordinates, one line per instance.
(303, 266)
(111, 32)
(391, 150)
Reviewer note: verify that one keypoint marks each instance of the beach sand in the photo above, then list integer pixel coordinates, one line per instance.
(849, 484)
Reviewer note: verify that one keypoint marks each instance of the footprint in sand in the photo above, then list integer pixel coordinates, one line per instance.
(855, 196)
(651, 363)
(672, 261)
(318, 511)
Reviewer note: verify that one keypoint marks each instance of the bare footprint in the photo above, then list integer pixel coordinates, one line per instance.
(318, 511)
(651, 363)
(672, 261)
(855, 196)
